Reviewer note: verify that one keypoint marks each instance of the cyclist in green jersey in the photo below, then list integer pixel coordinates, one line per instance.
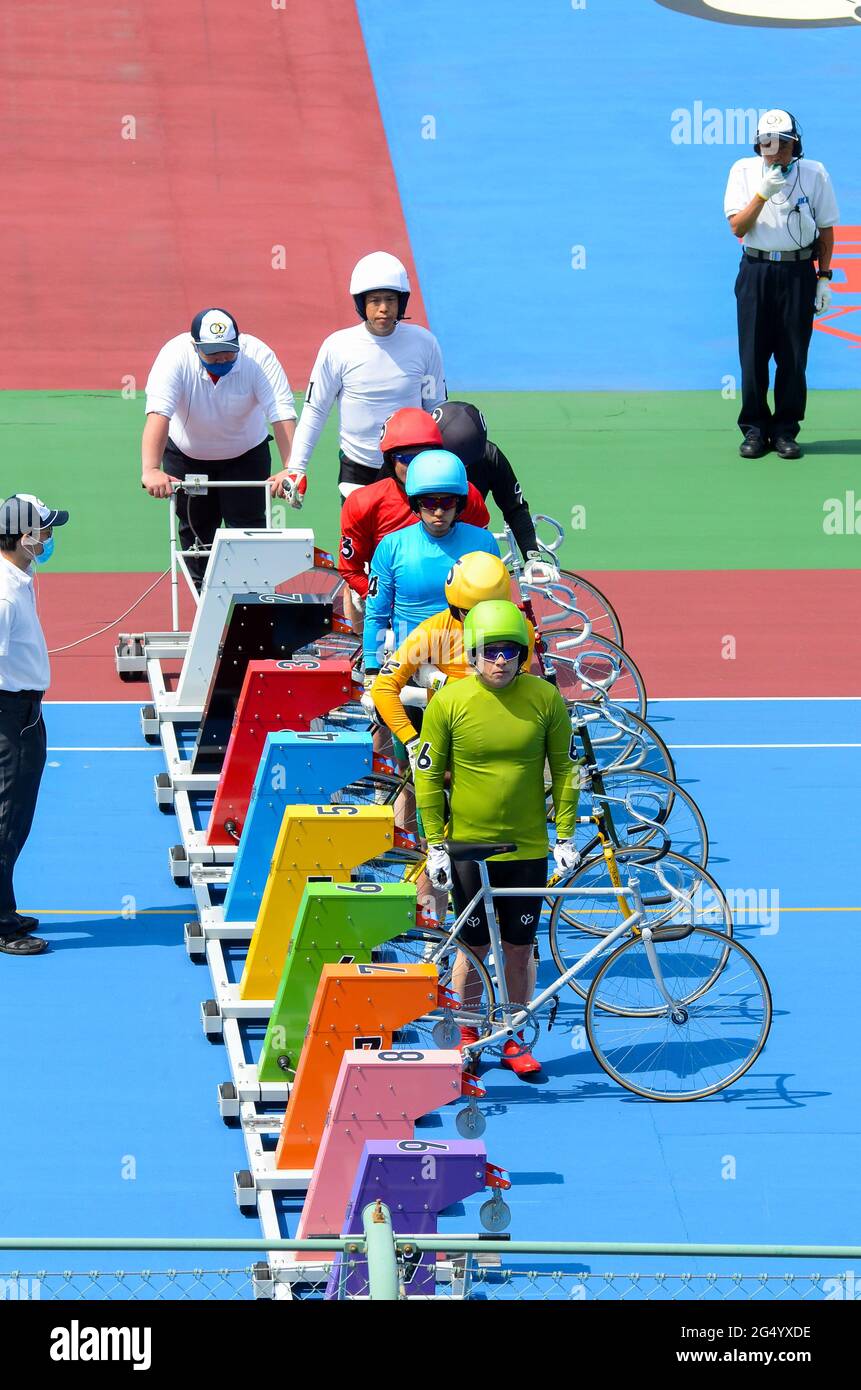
(494, 732)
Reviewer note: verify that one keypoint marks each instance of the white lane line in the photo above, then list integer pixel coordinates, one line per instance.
(763, 745)
(129, 748)
(743, 699)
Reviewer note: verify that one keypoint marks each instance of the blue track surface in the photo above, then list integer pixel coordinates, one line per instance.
(104, 1060)
(553, 129)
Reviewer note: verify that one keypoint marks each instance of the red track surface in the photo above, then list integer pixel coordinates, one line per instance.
(794, 631)
(110, 245)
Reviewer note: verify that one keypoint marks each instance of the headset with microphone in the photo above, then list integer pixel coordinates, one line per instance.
(794, 134)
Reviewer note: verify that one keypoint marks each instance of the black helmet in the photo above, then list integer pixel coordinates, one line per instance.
(463, 429)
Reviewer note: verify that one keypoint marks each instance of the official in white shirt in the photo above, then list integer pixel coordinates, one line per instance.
(380, 366)
(783, 208)
(210, 398)
(26, 537)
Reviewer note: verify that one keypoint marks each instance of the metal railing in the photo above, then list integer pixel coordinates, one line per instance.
(382, 1265)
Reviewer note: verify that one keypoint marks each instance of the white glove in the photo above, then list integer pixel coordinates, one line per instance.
(584, 778)
(295, 487)
(357, 603)
(429, 678)
(439, 866)
(539, 571)
(367, 702)
(823, 296)
(566, 855)
(772, 183)
(411, 748)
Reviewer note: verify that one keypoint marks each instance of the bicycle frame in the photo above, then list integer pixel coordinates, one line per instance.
(487, 894)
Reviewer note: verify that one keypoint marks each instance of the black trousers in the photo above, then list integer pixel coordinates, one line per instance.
(200, 517)
(22, 762)
(775, 319)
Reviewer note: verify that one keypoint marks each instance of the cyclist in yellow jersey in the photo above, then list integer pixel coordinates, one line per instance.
(433, 652)
(493, 733)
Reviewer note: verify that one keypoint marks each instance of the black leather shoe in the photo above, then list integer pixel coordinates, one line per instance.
(754, 446)
(787, 448)
(18, 924)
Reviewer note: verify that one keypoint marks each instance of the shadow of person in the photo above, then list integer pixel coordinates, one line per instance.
(833, 446)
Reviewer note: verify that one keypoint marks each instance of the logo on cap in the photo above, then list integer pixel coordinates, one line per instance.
(217, 329)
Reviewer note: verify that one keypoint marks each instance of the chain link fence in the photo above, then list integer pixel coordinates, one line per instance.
(404, 1268)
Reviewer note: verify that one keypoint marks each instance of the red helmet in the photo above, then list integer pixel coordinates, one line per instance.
(410, 428)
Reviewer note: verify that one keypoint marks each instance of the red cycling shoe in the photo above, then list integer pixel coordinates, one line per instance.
(468, 1036)
(521, 1063)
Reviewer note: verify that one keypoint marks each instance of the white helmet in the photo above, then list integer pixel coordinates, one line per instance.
(379, 271)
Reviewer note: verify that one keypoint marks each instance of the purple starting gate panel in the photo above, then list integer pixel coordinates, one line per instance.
(416, 1179)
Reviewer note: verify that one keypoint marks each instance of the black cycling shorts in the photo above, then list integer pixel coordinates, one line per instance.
(518, 918)
(351, 472)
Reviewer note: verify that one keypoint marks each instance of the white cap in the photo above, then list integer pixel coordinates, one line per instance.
(773, 124)
(24, 512)
(215, 331)
(379, 271)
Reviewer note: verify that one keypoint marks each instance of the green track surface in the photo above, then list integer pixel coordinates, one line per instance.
(658, 475)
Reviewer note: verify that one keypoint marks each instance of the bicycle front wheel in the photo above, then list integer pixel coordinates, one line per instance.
(704, 1041)
(593, 670)
(644, 808)
(619, 738)
(552, 606)
(676, 894)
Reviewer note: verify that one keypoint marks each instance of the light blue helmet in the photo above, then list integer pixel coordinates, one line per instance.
(437, 470)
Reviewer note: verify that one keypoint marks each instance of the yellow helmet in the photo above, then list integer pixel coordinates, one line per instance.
(477, 578)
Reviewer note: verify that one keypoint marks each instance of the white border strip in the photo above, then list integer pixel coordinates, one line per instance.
(674, 746)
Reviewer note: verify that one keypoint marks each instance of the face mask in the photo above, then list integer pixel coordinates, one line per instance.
(221, 368)
(47, 551)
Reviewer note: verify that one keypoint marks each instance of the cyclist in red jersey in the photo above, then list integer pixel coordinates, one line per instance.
(377, 509)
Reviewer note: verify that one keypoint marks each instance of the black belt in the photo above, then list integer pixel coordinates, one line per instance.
(22, 694)
(756, 255)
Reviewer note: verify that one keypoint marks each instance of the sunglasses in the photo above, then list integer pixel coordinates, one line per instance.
(507, 650)
(432, 504)
(405, 455)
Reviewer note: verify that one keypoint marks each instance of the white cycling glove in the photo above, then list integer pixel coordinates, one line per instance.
(823, 296)
(411, 748)
(367, 702)
(295, 486)
(772, 182)
(439, 866)
(566, 856)
(537, 570)
(357, 603)
(429, 677)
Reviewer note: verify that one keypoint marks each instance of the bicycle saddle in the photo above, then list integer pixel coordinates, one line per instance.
(458, 850)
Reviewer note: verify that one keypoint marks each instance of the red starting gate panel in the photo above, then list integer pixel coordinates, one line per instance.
(275, 695)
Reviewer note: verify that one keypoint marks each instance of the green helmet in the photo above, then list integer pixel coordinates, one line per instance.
(494, 620)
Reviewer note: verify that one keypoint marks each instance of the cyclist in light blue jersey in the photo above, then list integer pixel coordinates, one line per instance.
(410, 567)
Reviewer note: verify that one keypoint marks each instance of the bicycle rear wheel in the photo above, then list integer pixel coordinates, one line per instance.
(431, 945)
(593, 670)
(711, 1035)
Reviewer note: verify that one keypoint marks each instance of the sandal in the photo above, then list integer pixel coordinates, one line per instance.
(20, 944)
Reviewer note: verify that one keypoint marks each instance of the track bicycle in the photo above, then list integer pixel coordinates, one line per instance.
(675, 1010)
